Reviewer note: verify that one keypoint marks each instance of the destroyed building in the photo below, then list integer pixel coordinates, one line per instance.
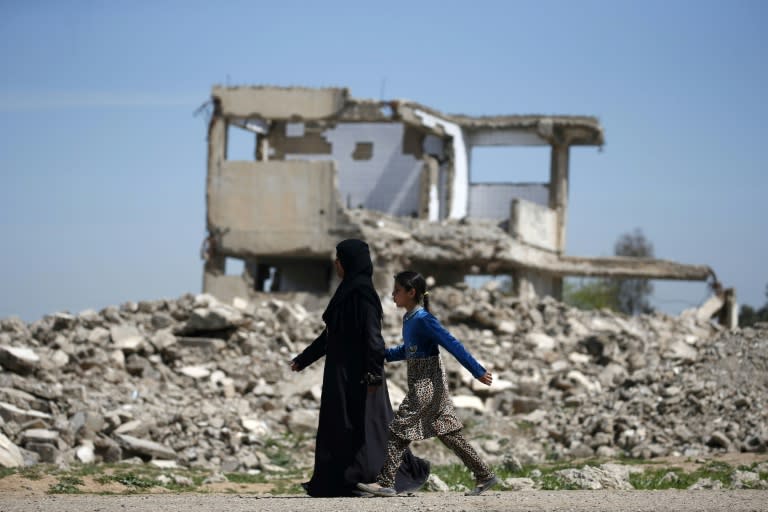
(326, 166)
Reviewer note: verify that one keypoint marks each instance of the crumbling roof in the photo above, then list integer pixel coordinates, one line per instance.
(588, 128)
(303, 103)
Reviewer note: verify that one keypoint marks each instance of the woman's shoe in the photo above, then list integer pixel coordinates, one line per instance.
(377, 490)
(483, 486)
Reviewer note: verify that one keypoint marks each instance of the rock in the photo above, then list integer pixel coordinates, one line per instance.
(506, 327)
(519, 484)
(511, 463)
(215, 478)
(250, 460)
(540, 342)
(719, 440)
(146, 447)
(745, 479)
(491, 446)
(468, 402)
(108, 449)
(263, 389)
(580, 451)
(117, 358)
(46, 451)
(706, 483)
(164, 464)
(606, 452)
(18, 359)
(40, 435)
(59, 359)
(10, 455)
(435, 483)
(21, 399)
(183, 481)
(213, 318)
(86, 423)
(85, 453)
(680, 350)
(10, 412)
(162, 339)
(196, 372)
(612, 376)
(162, 320)
(302, 421)
(255, 425)
(607, 476)
(126, 337)
(99, 336)
(134, 427)
(524, 404)
(62, 321)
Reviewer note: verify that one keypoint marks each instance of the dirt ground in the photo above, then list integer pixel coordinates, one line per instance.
(556, 501)
(17, 486)
(22, 494)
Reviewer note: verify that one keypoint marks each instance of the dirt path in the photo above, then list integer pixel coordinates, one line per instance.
(556, 501)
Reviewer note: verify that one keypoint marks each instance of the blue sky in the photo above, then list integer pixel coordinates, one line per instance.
(102, 163)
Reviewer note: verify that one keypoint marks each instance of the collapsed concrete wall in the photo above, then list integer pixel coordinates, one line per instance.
(327, 166)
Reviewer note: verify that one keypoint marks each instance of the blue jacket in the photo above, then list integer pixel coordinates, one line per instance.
(423, 333)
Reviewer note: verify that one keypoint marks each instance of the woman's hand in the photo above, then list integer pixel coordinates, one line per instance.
(486, 379)
(295, 366)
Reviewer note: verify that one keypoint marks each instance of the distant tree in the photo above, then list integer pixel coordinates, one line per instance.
(593, 294)
(629, 296)
(749, 315)
(632, 294)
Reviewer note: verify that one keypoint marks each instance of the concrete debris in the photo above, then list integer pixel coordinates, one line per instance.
(202, 384)
(435, 483)
(607, 476)
(18, 359)
(10, 455)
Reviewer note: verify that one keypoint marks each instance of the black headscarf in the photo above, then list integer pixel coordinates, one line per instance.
(355, 259)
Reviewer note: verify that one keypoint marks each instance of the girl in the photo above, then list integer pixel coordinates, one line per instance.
(427, 410)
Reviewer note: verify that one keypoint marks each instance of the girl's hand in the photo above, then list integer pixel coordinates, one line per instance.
(486, 379)
(295, 366)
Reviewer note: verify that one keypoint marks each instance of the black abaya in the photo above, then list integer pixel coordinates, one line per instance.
(353, 425)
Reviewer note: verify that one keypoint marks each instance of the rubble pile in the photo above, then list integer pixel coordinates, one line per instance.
(195, 382)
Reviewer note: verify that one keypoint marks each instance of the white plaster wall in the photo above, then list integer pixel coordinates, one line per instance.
(460, 185)
(534, 224)
(494, 200)
(388, 182)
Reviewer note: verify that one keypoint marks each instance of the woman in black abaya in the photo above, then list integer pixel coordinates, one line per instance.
(355, 411)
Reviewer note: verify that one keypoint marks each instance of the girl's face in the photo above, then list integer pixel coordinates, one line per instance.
(403, 298)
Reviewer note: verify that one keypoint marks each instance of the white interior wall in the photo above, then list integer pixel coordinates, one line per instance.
(493, 200)
(388, 182)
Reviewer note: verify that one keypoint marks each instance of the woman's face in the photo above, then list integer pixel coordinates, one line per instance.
(339, 268)
(403, 298)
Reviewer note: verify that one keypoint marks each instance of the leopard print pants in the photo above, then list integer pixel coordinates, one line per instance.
(396, 447)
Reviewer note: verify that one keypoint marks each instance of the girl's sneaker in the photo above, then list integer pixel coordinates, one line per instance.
(483, 486)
